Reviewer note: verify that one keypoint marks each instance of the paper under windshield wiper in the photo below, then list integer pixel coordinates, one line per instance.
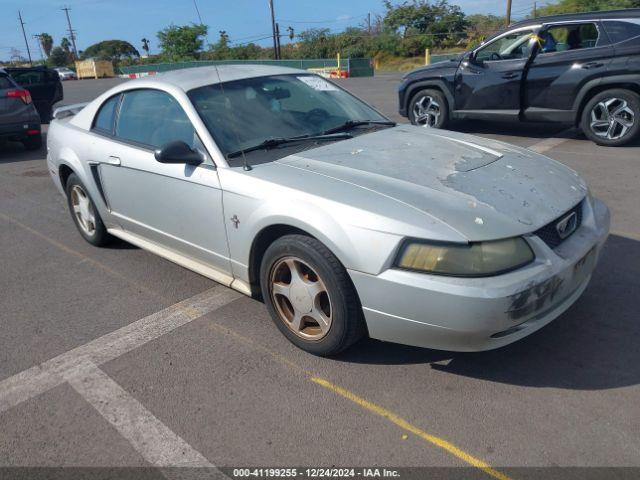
(349, 124)
(276, 141)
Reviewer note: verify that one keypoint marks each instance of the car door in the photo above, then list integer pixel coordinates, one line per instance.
(569, 55)
(43, 87)
(176, 206)
(488, 82)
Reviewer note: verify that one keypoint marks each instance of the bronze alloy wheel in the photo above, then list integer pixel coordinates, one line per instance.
(83, 210)
(301, 298)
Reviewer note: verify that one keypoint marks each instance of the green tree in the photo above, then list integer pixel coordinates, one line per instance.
(182, 42)
(113, 50)
(58, 57)
(65, 44)
(483, 26)
(439, 23)
(47, 43)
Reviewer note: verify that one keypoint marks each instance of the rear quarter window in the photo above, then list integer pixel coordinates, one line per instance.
(106, 115)
(621, 31)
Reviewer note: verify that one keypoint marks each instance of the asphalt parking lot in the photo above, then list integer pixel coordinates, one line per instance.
(114, 357)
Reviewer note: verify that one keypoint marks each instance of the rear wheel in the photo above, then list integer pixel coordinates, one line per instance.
(612, 117)
(33, 142)
(84, 213)
(310, 296)
(429, 108)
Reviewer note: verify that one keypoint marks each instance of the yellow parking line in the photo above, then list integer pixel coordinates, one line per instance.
(402, 423)
(367, 405)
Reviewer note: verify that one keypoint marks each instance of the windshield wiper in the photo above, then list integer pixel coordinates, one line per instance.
(349, 124)
(277, 141)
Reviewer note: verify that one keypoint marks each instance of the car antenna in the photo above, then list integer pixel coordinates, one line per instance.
(245, 165)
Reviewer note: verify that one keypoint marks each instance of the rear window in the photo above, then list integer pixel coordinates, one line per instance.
(5, 82)
(620, 31)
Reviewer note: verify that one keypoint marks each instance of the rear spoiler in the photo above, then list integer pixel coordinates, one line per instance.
(68, 110)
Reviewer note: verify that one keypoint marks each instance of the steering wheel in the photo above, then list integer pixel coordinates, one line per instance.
(316, 115)
(495, 56)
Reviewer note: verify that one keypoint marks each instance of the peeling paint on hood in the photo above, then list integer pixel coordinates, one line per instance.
(483, 188)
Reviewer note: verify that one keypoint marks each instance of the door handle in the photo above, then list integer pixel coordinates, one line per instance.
(590, 65)
(113, 160)
(510, 75)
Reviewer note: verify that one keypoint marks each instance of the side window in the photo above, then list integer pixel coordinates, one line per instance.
(30, 77)
(106, 115)
(508, 47)
(153, 118)
(620, 31)
(573, 36)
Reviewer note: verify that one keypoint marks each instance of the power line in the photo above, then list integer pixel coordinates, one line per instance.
(25, 37)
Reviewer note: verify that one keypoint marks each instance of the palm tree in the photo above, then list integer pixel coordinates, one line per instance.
(47, 43)
(145, 45)
(65, 44)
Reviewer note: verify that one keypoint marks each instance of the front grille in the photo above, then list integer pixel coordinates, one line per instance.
(549, 233)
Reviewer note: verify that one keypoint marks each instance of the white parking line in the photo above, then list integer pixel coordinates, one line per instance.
(47, 375)
(549, 143)
(151, 438)
(79, 367)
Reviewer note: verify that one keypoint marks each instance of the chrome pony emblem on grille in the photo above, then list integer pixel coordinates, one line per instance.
(567, 225)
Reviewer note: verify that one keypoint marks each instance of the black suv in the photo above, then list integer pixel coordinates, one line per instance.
(43, 84)
(581, 69)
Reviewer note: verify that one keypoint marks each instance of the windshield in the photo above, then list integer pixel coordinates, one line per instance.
(244, 113)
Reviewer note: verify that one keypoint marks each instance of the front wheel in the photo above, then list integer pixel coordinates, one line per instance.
(429, 108)
(612, 118)
(310, 296)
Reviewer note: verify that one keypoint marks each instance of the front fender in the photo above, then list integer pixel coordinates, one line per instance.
(338, 226)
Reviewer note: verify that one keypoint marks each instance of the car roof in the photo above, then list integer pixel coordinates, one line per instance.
(568, 17)
(190, 78)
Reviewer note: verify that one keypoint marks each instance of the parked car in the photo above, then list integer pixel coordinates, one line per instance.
(581, 69)
(44, 86)
(19, 120)
(66, 73)
(278, 183)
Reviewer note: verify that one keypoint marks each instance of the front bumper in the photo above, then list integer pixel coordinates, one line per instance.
(474, 314)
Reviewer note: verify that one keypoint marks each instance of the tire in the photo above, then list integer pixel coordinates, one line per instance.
(433, 104)
(93, 231)
(620, 106)
(334, 296)
(33, 143)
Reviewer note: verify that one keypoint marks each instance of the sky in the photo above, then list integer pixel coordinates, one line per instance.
(243, 20)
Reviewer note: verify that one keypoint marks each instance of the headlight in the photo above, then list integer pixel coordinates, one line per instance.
(481, 259)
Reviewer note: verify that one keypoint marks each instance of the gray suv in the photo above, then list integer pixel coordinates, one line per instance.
(19, 119)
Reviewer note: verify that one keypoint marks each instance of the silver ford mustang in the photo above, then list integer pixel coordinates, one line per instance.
(280, 184)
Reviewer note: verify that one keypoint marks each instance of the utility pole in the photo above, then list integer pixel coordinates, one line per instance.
(273, 27)
(508, 12)
(278, 40)
(39, 40)
(369, 23)
(25, 37)
(535, 10)
(72, 34)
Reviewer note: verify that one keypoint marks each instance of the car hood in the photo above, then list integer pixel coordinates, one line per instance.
(482, 188)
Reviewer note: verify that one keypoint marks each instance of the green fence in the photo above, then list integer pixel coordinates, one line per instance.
(357, 67)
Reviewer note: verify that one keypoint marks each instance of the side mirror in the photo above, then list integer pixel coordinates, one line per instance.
(473, 59)
(178, 152)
